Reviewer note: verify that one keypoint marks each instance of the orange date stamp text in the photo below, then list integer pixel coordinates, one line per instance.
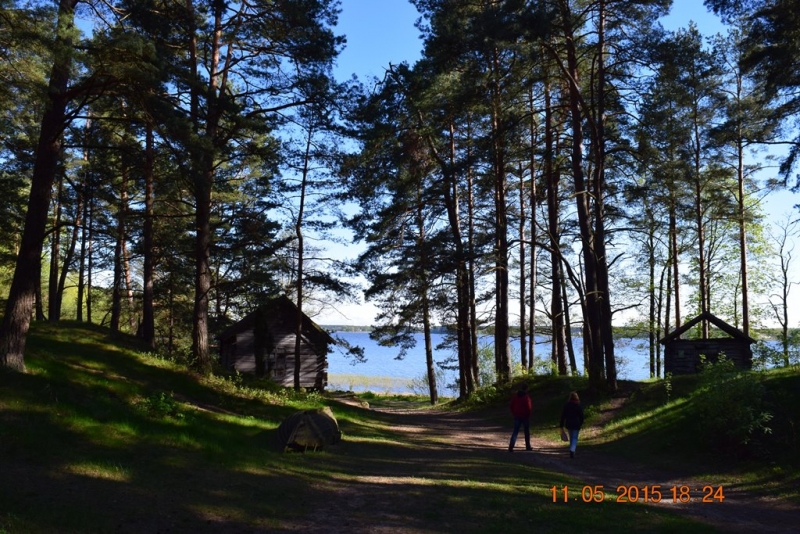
(632, 493)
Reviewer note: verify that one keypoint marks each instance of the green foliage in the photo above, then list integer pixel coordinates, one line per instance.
(260, 389)
(162, 404)
(766, 356)
(545, 366)
(178, 358)
(486, 369)
(421, 385)
(486, 395)
(668, 386)
(783, 397)
(731, 410)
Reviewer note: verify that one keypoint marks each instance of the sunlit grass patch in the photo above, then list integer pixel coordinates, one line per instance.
(106, 471)
(641, 421)
(363, 383)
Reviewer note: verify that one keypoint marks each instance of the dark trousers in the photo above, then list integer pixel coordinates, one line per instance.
(526, 425)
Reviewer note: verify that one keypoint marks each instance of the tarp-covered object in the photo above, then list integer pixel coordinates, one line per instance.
(309, 429)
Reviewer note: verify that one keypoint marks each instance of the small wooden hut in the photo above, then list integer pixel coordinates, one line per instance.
(263, 343)
(682, 356)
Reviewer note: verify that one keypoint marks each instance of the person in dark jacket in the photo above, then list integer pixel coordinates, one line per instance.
(572, 419)
(521, 407)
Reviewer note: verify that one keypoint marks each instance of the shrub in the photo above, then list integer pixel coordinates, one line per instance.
(732, 411)
(421, 385)
(486, 370)
(767, 355)
(668, 386)
(161, 404)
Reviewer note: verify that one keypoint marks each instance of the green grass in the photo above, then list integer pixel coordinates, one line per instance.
(99, 436)
(364, 383)
(667, 428)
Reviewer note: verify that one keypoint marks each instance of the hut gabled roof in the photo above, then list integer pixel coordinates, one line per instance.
(713, 319)
(281, 304)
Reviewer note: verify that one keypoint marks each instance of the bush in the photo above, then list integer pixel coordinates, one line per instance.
(767, 355)
(161, 405)
(732, 411)
(421, 385)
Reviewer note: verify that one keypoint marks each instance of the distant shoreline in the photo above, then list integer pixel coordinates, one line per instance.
(763, 334)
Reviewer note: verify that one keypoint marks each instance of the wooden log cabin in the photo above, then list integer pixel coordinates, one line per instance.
(682, 356)
(263, 343)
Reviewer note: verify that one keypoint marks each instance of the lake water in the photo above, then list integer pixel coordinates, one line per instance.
(383, 373)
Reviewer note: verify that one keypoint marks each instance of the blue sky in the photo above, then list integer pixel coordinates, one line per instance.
(382, 31)
(378, 32)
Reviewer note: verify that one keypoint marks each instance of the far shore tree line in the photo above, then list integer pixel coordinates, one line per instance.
(547, 167)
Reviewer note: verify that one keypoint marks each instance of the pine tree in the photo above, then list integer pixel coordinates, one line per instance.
(19, 307)
(243, 91)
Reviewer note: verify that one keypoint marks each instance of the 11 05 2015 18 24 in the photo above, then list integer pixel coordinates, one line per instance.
(648, 494)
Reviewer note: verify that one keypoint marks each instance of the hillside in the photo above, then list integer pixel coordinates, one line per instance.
(100, 437)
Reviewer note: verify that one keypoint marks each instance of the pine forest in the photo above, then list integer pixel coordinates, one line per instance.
(551, 168)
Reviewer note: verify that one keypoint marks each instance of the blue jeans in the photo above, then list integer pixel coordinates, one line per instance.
(573, 439)
(526, 424)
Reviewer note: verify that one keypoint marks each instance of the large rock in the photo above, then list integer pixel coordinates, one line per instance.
(309, 429)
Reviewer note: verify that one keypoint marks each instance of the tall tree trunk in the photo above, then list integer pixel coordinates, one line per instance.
(53, 305)
(552, 180)
(673, 233)
(433, 388)
(661, 312)
(119, 247)
(533, 281)
(467, 377)
(523, 347)
(84, 193)
(82, 253)
(20, 304)
(599, 182)
(204, 161)
(90, 258)
(651, 290)
(565, 332)
(171, 320)
(699, 216)
(73, 241)
(39, 298)
(202, 278)
(501, 333)
(426, 311)
(743, 234)
(126, 269)
(533, 131)
(473, 307)
(593, 331)
(298, 232)
(148, 330)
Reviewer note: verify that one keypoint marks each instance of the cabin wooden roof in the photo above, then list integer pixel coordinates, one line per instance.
(716, 321)
(275, 307)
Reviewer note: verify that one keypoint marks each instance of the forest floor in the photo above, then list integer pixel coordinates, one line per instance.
(480, 436)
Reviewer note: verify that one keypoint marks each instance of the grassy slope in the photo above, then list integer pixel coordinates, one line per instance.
(678, 432)
(664, 430)
(98, 436)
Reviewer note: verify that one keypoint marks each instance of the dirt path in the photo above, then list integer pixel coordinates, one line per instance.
(477, 435)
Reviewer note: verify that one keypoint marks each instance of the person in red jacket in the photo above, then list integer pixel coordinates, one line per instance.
(521, 407)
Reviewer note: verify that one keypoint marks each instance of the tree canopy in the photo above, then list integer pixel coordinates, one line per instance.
(547, 168)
